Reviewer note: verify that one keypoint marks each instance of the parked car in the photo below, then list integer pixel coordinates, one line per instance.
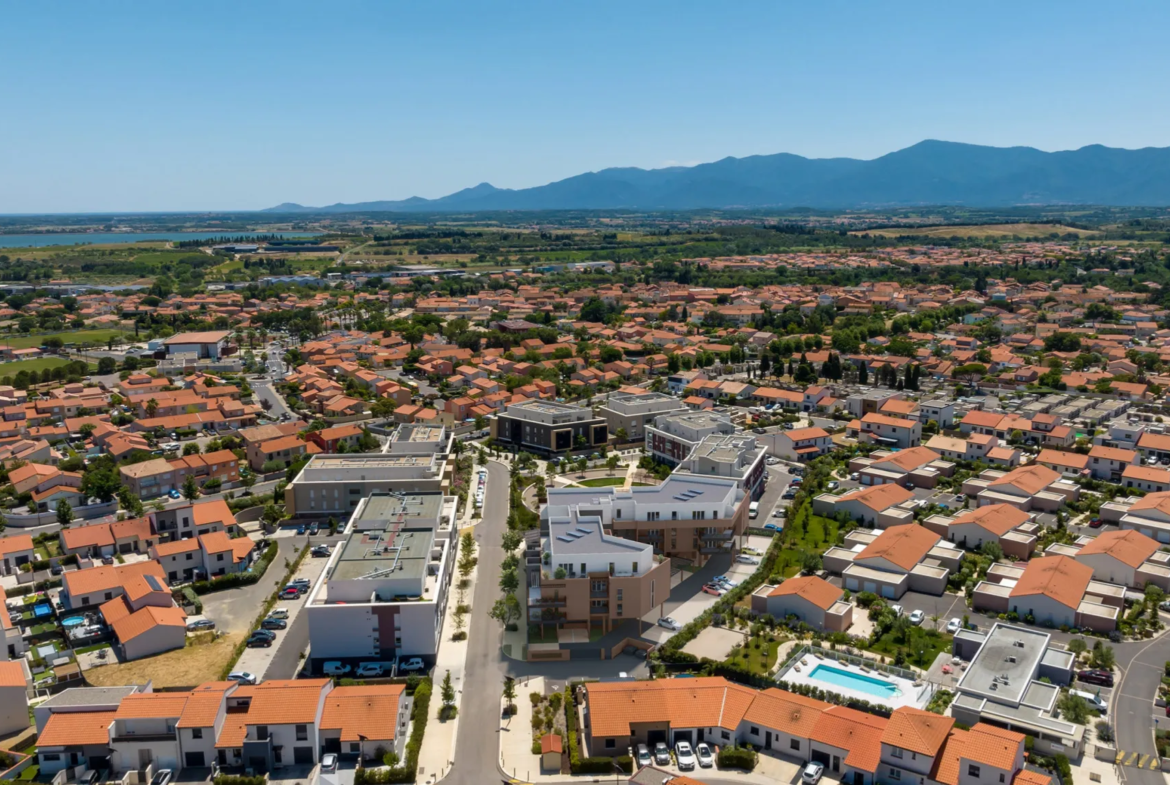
(1095, 523)
(758, 430)
(242, 677)
(897, 609)
(778, 512)
(723, 580)
(413, 664)
(290, 593)
(301, 583)
(200, 624)
(1099, 677)
(745, 559)
(258, 641)
(833, 485)
(370, 669)
(301, 529)
(273, 624)
(642, 755)
(703, 753)
(175, 495)
(329, 762)
(263, 633)
(712, 589)
(319, 551)
(916, 617)
(684, 755)
(162, 777)
(812, 773)
(954, 625)
(92, 777)
(278, 613)
(335, 668)
(772, 527)
(855, 476)
(661, 754)
(313, 529)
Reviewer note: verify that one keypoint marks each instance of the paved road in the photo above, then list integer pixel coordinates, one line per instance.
(478, 741)
(1133, 709)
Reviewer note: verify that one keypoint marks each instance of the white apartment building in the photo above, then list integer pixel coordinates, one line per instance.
(630, 412)
(672, 437)
(738, 457)
(334, 485)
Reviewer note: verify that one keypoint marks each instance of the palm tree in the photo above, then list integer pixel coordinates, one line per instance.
(151, 408)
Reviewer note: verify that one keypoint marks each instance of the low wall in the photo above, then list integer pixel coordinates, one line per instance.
(250, 514)
(547, 652)
(88, 512)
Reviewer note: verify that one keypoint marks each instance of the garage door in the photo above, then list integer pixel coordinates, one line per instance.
(888, 591)
(851, 584)
(194, 760)
(871, 587)
(655, 736)
(302, 755)
(684, 735)
(821, 758)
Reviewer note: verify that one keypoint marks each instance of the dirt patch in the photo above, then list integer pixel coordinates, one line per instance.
(714, 643)
(186, 667)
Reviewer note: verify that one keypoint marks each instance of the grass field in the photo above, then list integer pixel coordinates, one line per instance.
(603, 482)
(38, 365)
(990, 231)
(185, 667)
(73, 337)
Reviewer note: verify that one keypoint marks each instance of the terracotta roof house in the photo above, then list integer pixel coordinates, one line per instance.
(809, 599)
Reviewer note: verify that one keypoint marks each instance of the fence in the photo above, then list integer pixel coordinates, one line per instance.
(87, 512)
(851, 659)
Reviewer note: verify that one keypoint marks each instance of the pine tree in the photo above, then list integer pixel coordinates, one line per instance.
(765, 363)
(862, 373)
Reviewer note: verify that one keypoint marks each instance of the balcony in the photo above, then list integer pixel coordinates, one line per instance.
(138, 738)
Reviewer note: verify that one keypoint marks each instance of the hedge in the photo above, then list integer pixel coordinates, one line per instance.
(268, 605)
(406, 771)
(737, 758)
(571, 730)
(238, 579)
(224, 779)
(32, 588)
(598, 765)
(190, 598)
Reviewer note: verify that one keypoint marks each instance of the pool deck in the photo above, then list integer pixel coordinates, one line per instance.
(914, 697)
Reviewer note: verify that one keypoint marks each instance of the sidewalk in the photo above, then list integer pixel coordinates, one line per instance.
(437, 754)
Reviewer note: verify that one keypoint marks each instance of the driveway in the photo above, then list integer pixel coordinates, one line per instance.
(688, 600)
(234, 610)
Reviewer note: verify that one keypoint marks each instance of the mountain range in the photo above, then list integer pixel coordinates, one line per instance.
(928, 173)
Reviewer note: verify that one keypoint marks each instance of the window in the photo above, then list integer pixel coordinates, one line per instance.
(619, 595)
(355, 746)
(896, 752)
(262, 732)
(109, 595)
(895, 774)
(727, 735)
(47, 756)
(610, 743)
(753, 730)
(972, 770)
(190, 556)
(794, 744)
(1001, 778)
(219, 557)
(674, 515)
(302, 733)
(197, 733)
(583, 568)
(619, 609)
(652, 516)
(699, 515)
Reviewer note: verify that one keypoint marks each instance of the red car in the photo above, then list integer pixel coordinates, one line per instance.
(713, 590)
(1095, 523)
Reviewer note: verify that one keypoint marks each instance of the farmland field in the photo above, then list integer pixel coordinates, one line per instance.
(992, 231)
(74, 337)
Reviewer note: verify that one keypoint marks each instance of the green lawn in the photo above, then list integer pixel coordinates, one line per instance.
(38, 365)
(758, 660)
(804, 533)
(921, 646)
(542, 633)
(602, 482)
(73, 338)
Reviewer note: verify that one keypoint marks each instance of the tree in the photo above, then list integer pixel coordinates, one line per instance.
(191, 448)
(247, 479)
(506, 610)
(509, 581)
(131, 503)
(64, 513)
(1073, 708)
(101, 481)
(612, 462)
(447, 691)
(1102, 656)
(510, 693)
(151, 408)
(511, 541)
(271, 513)
(621, 435)
(1062, 342)
(862, 373)
(107, 365)
(86, 430)
(190, 488)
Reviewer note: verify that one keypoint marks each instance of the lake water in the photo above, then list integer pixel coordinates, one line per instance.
(104, 238)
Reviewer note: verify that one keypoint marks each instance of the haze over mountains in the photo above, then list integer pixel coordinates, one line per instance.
(928, 173)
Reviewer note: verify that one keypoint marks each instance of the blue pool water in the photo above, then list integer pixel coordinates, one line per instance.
(42, 610)
(73, 621)
(859, 682)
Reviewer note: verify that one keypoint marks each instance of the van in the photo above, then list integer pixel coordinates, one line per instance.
(334, 668)
(754, 510)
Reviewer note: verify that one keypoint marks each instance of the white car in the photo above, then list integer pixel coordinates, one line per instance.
(812, 773)
(897, 609)
(703, 753)
(684, 755)
(642, 754)
(242, 677)
(954, 625)
(369, 669)
(413, 664)
(745, 559)
(334, 668)
(669, 623)
(278, 613)
(329, 762)
(916, 617)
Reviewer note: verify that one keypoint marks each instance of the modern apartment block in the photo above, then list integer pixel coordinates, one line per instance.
(672, 437)
(420, 439)
(631, 412)
(334, 485)
(687, 516)
(584, 575)
(738, 457)
(384, 590)
(548, 429)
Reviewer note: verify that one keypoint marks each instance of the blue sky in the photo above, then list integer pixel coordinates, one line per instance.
(242, 105)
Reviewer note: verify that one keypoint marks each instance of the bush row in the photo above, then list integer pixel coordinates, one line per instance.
(737, 758)
(224, 779)
(268, 605)
(235, 580)
(404, 772)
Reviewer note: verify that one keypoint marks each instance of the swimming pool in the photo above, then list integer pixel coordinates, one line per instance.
(859, 682)
(73, 621)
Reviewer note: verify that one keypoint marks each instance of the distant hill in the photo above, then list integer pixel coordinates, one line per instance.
(929, 173)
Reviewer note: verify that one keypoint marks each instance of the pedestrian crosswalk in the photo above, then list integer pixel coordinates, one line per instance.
(1137, 760)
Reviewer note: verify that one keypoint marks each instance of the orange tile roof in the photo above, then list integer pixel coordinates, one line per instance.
(216, 542)
(1146, 473)
(1025, 777)
(904, 546)
(1130, 547)
(213, 511)
(893, 422)
(916, 730)
(233, 732)
(91, 536)
(12, 674)
(1030, 479)
(1058, 577)
(282, 702)
(982, 419)
(1113, 454)
(816, 590)
(1151, 501)
(911, 459)
(67, 729)
(879, 497)
(997, 747)
(98, 579)
(128, 625)
(801, 434)
(999, 519)
(711, 702)
(368, 712)
(160, 705)
(176, 546)
(549, 742)
(203, 706)
(785, 711)
(16, 543)
(1071, 460)
(860, 733)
